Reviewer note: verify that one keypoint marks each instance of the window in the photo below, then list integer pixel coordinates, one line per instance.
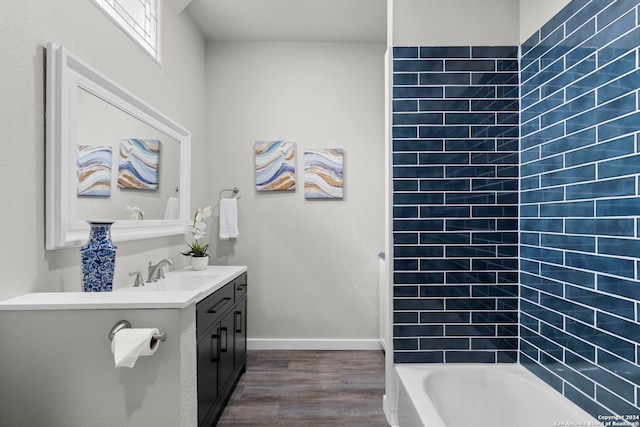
(138, 18)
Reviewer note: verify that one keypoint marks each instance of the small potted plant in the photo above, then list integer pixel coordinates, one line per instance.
(196, 231)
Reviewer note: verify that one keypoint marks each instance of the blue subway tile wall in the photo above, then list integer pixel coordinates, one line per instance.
(580, 202)
(455, 203)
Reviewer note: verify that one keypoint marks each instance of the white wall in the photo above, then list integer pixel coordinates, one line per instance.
(455, 23)
(64, 389)
(313, 266)
(175, 89)
(535, 13)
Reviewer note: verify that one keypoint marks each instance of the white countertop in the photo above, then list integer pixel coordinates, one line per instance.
(179, 289)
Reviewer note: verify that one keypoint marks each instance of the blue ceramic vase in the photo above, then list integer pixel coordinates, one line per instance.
(98, 258)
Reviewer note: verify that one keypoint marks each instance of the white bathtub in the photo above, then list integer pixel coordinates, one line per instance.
(481, 395)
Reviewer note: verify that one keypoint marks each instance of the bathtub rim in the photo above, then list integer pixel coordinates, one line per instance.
(405, 381)
(413, 375)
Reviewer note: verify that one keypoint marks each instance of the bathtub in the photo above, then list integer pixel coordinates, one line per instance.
(481, 395)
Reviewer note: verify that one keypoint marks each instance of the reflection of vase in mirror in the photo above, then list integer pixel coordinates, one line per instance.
(98, 258)
(102, 124)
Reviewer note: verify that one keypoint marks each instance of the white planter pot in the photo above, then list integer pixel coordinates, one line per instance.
(199, 263)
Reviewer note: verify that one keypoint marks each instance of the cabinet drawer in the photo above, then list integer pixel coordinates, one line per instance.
(213, 307)
(240, 286)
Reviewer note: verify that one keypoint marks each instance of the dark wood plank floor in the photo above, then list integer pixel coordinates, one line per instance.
(309, 388)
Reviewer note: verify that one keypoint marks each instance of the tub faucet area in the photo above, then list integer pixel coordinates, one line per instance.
(156, 271)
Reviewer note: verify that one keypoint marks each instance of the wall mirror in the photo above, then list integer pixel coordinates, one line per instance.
(109, 156)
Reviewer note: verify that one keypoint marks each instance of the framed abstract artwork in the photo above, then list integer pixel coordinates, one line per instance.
(139, 164)
(94, 170)
(323, 173)
(275, 165)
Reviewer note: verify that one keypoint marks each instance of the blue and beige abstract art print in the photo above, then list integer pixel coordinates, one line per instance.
(139, 164)
(94, 170)
(275, 165)
(323, 173)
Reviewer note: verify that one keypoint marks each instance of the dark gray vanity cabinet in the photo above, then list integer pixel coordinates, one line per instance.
(221, 327)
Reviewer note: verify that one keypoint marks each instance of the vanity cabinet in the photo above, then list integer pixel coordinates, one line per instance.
(185, 383)
(221, 320)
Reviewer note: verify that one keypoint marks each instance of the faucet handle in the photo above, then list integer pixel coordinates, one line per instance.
(161, 272)
(139, 280)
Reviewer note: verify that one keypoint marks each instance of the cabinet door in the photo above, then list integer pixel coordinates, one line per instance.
(226, 349)
(240, 333)
(210, 310)
(208, 364)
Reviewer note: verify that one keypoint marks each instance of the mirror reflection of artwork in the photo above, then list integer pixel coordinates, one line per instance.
(275, 165)
(94, 170)
(323, 173)
(139, 160)
(87, 107)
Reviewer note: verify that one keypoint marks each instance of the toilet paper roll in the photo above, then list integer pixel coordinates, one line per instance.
(129, 344)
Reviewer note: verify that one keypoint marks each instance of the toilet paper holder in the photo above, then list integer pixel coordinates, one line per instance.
(124, 324)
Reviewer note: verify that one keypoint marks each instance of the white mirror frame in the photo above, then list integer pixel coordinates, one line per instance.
(66, 73)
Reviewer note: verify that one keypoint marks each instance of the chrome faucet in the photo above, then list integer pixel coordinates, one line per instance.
(156, 272)
(139, 280)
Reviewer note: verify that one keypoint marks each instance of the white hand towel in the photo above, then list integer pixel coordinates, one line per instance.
(173, 208)
(229, 219)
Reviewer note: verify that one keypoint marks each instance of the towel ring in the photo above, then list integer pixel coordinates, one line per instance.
(234, 190)
(124, 324)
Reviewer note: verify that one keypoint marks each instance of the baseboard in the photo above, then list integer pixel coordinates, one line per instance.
(313, 344)
(388, 412)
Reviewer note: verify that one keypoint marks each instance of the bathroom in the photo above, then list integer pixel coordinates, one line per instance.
(313, 265)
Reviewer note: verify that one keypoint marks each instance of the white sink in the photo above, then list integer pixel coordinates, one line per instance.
(176, 283)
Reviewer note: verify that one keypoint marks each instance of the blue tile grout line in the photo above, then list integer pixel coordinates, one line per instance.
(567, 261)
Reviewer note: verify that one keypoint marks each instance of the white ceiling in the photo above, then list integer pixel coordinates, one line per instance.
(361, 21)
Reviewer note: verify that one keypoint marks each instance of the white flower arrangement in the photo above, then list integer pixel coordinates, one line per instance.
(197, 230)
(135, 212)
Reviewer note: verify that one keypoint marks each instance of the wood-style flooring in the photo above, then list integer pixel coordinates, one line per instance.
(309, 388)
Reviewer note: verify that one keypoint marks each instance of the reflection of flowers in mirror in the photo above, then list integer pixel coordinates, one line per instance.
(197, 230)
(135, 212)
